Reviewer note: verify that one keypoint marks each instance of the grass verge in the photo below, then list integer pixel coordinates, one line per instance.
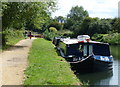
(12, 37)
(46, 67)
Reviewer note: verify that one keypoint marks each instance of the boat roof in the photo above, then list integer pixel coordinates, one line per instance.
(75, 41)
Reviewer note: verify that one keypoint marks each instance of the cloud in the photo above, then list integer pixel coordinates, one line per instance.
(96, 8)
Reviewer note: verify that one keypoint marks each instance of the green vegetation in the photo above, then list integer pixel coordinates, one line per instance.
(36, 17)
(79, 22)
(12, 37)
(53, 29)
(29, 14)
(24, 15)
(66, 33)
(113, 38)
(46, 67)
(50, 35)
(55, 24)
(75, 18)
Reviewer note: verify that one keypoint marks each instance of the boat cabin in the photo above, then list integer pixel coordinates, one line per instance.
(81, 49)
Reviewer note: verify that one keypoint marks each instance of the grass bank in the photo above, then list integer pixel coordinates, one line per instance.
(12, 37)
(112, 38)
(46, 67)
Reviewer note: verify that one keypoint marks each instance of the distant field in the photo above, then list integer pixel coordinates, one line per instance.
(45, 67)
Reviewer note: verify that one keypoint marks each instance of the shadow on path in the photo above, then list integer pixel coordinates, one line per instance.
(15, 47)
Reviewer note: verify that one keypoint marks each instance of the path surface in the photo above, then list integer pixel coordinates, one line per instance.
(13, 62)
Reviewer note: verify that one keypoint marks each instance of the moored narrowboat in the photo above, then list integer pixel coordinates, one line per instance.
(84, 54)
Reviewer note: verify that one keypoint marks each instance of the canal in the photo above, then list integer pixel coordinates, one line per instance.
(108, 78)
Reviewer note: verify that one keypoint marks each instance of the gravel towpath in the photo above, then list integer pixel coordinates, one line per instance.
(13, 62)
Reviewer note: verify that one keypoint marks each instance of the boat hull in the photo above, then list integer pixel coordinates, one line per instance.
(91, 65)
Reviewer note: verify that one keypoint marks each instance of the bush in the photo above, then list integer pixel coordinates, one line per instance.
(112, 38)
(10, 37)
(66, 33)
(97, 37)
(57, 25)
(53, 29)
(50, 35)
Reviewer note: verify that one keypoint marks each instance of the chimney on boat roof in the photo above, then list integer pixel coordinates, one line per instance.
(83, 38)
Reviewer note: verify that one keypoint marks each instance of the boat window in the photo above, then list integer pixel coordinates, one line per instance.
(85, 50)
(101, 49)
(79, 49)
(73, 49)
(90, 49)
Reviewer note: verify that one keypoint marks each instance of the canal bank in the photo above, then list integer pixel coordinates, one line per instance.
(112, 38)
(45, 67)
(111, 78)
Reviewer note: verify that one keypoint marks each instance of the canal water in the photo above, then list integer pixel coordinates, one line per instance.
(109, 78)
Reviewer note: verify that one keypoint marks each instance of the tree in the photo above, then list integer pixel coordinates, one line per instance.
(116, 25)
(20, 12)
(55, 24)
(85, 25)
(105, 26)
(75, 18)
(17, 15)
(77, 13)
(92, 26)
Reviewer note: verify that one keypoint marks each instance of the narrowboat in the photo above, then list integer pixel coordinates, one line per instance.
(83, 54)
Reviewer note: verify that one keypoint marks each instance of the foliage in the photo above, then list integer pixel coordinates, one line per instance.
(11, 37)
(87, 26)
(56, 24)
(77, 13)
(79, 22)
(14, 15)
(112, 38)
(53, 29)
(36, 13)
(92, 26)
(46, 67)
(50, 35)
(97, 37)
(75, 18)
(66, 33)
(116, 25)
(29, 15)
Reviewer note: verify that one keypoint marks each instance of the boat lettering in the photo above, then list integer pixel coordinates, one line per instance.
(104, 58)
(101, 58)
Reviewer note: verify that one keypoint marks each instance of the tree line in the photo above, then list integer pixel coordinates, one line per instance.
(79, 22)
(36, 16)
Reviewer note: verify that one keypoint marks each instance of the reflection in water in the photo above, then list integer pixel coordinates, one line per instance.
(108, 77)
(95, 78)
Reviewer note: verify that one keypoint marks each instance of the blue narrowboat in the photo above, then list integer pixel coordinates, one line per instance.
(84, 54)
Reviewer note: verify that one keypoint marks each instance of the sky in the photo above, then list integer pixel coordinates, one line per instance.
(95, 8)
